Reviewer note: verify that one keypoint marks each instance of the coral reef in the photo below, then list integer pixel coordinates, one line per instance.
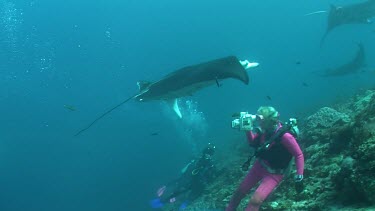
(339, 149)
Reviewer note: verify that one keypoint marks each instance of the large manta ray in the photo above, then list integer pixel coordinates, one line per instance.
(350, 14)
(353, 66)
(185, 81)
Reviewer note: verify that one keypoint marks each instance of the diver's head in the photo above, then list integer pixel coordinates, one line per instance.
(270, 118)
(209, 151)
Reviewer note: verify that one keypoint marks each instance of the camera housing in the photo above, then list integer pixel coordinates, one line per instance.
(244, 122)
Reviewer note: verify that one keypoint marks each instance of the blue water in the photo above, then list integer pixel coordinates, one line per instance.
(90, 54)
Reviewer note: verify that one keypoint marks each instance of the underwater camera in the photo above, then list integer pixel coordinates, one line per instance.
(244, 122)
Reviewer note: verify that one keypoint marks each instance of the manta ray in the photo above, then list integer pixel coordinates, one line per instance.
(351, 67)
(360, 13)
(188, 80)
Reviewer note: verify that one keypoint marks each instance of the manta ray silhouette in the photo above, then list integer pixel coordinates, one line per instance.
(185, 81)
(349, 68)
(360, 13)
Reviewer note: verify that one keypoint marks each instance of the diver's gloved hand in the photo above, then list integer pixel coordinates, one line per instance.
(298, 183)
(298, 178)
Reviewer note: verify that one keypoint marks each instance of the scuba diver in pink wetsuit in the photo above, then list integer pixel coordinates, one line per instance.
(275, 148)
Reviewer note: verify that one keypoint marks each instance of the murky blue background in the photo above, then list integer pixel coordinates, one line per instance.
(90, 54)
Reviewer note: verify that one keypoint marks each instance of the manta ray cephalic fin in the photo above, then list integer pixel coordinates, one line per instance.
(143, 85)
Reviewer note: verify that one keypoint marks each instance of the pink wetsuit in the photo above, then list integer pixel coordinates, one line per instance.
(259, 173)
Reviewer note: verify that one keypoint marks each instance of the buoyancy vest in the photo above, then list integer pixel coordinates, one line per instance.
(273, 151)
(276, 155)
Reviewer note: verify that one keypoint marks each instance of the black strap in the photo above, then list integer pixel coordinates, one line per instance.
(273, 138)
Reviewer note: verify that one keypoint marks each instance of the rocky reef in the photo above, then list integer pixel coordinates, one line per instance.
(339, 148)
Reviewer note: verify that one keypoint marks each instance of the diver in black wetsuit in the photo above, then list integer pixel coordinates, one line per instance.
(194, 178)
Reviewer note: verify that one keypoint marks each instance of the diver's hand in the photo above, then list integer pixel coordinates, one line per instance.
(298, 178)
(298, 183)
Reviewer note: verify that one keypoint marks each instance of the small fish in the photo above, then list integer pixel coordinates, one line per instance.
(70, 107)
(269, 98)
(368, 70)
(305, 84)
(154, 134)
(298, 62)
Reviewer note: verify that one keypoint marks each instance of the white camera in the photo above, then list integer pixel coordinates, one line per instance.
(244, 122)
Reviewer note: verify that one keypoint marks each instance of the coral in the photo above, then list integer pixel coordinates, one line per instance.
(324, 125)
(325, 118)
